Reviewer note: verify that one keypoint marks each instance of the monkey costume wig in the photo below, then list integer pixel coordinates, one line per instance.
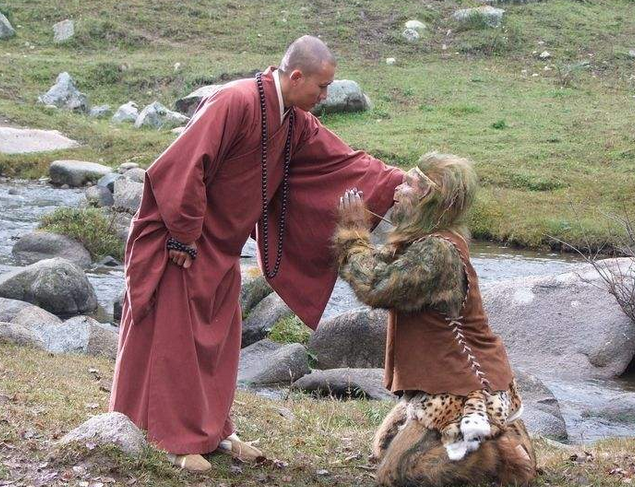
(458, 417)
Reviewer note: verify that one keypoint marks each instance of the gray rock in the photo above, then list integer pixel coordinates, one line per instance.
(117, 306)
(63, 31)
(135, 174)
(415, 25)
(99, 196)
(250, 249)
(391, 61)
(121, 223)
(491, 16)
(254, 288)
(262, 318)
(128, 112)
(157, 116)
(9, 308)
(64, 94)
(108, 181)
(595, 410)
(268, 363)
(24, 141)
(81, 334)
(355, 339)
(411, 35)
(345, 383)
(76, 173)
(343, 96)
(32, 315)
(541, 413)
(631, 53)
(108, 261)
(57, 285)
(565, 326)
(126, 166)
(6, 29)
(102, 111)
(127, 195)
(40, 245)
(19, 335)
(187, 105)
(108, 429)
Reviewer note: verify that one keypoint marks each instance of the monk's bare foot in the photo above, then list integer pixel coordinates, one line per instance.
(234, 446)
(191, 463)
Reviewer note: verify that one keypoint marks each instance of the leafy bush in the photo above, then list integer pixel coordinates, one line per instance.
(89, 226)
(290, 330)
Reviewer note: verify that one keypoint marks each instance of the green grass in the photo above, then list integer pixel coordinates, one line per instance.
(300, 435)
(89, 226)
(553, 151)
(290, 330)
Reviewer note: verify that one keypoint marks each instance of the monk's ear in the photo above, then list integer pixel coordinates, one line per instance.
(296, 75)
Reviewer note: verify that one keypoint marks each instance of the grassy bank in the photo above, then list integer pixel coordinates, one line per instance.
(552, 139)
(309, 442)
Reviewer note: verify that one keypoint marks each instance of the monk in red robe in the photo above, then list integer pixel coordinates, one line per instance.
(252, 157)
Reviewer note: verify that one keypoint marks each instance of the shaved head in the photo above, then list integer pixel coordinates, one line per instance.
(307, 54)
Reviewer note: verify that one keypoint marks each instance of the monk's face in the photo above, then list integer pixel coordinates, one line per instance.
(407, 196)
(309, 90)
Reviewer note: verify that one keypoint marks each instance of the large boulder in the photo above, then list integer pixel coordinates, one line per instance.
(127, 195)
(566, 325)
(345, 383)
(63, 31)
(76, 173)
(355, 339)
(64, 94)
(102, 111)
(261, 319)
(20, 335)
(80, 334)
(6, 29)
(187, 105)
(270, 363)
(39, 245)
(158, 116)
(128, 112)
(108, 429)
(490, 16)
(343, 96)
(108, 181)
(541, 413)
(57, 285)
(35, 316)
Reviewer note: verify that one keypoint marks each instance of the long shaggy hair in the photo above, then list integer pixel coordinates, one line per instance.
(445, 206)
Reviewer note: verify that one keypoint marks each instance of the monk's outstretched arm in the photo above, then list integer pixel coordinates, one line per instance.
(428, 273)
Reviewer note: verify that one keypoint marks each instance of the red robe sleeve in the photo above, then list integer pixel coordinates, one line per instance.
(322, 168)
(178, 177)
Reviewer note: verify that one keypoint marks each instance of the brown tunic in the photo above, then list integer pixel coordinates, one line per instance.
(428, 351)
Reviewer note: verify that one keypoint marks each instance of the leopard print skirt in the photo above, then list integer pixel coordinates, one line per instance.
(464, 421)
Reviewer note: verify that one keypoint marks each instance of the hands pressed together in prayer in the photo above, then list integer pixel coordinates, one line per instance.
(352, 211)
(182, 259)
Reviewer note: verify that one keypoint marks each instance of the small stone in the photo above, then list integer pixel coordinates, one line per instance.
(544, 55)
(128, 165)
(390, 61)
(416, 25)
(177, 67)
(6, 30)
(63, 31)
(631, 53)
(410, 35)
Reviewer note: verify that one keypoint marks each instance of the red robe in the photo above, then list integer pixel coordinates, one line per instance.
(181, 328)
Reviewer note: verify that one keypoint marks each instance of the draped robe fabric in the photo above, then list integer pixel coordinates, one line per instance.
(180, 331)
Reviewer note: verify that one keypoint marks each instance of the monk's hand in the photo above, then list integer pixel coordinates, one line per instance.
(352, 211)
(182, 259)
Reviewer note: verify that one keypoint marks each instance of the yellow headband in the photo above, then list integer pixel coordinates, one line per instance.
(426, 178)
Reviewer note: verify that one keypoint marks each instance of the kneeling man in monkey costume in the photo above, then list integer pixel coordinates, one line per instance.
(458, 417)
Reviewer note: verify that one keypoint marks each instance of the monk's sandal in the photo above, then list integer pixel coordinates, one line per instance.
(191, 463)
(243, 451)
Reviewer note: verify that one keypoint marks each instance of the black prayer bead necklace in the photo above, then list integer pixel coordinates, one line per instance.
(264, 220)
